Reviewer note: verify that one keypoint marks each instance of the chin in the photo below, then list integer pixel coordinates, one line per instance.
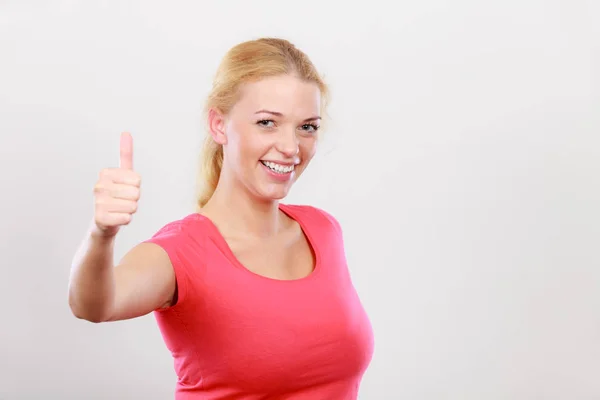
(273, 194)
(272, 187)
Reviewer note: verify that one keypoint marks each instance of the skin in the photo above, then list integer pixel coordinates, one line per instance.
(274, 119)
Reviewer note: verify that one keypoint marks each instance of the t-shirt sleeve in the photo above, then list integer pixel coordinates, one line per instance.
(172, 238)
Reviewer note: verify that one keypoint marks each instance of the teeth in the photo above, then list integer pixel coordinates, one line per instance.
(282, 169)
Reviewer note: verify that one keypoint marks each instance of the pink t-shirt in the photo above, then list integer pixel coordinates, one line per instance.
(234, 334)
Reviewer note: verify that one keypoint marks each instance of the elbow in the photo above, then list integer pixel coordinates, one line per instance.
(85, 313)
(96, 319)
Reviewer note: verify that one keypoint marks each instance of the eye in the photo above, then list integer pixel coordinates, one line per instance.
(310, 128)
(267, 123)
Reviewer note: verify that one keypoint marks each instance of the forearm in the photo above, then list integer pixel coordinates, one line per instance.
(92, 281)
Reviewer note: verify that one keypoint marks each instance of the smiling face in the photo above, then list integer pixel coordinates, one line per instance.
(269, 136)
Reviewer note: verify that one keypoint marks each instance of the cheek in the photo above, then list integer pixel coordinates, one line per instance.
(254, 145)
(308, 148)
(244, 144)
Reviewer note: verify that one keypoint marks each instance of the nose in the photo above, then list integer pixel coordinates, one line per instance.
(287, 143)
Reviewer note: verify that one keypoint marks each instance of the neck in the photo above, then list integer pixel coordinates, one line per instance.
(234, 211)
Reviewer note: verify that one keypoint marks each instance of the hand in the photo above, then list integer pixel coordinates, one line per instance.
(117, 192)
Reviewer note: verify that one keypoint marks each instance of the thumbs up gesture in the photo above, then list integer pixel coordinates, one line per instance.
(117, 192)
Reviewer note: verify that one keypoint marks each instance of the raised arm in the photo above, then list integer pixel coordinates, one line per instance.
(143, 280)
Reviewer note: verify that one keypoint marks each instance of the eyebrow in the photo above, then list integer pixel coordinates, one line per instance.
(278, 114)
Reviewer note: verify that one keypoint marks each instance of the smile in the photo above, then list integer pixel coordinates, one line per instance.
(278, 168)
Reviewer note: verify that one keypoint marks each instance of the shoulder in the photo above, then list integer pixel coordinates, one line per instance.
(312, 214)
(177, 229)
(178, 239)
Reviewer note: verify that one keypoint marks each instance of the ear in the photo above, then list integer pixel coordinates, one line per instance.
(216, 126)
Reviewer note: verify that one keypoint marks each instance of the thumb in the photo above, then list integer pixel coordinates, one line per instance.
(126, 152)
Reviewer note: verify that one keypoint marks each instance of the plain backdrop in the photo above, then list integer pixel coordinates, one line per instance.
(462, 160)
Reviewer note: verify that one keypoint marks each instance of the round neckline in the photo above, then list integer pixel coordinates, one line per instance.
(287, 210)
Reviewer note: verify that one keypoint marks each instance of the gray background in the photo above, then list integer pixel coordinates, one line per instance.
(461, 159)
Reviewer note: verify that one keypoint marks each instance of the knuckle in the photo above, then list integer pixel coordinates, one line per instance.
(99, 187)
(101, 201)
(132, 177)
(135, 180)
(104, 173)
(101, 219)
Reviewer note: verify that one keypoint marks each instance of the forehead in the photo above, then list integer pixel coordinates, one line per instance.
(286, 94)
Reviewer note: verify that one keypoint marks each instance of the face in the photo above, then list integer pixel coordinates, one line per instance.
(270, 135)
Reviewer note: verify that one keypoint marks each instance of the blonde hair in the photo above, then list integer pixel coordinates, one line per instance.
(246, 62)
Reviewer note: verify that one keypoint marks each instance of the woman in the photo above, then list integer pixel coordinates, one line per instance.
(252, 297)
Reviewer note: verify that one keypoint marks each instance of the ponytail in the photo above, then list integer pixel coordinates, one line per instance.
(210, 170)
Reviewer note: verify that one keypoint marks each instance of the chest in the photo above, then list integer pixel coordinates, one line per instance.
(299, 336)
(287, 257)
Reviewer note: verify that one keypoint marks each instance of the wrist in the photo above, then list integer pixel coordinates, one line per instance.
(102, 236)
